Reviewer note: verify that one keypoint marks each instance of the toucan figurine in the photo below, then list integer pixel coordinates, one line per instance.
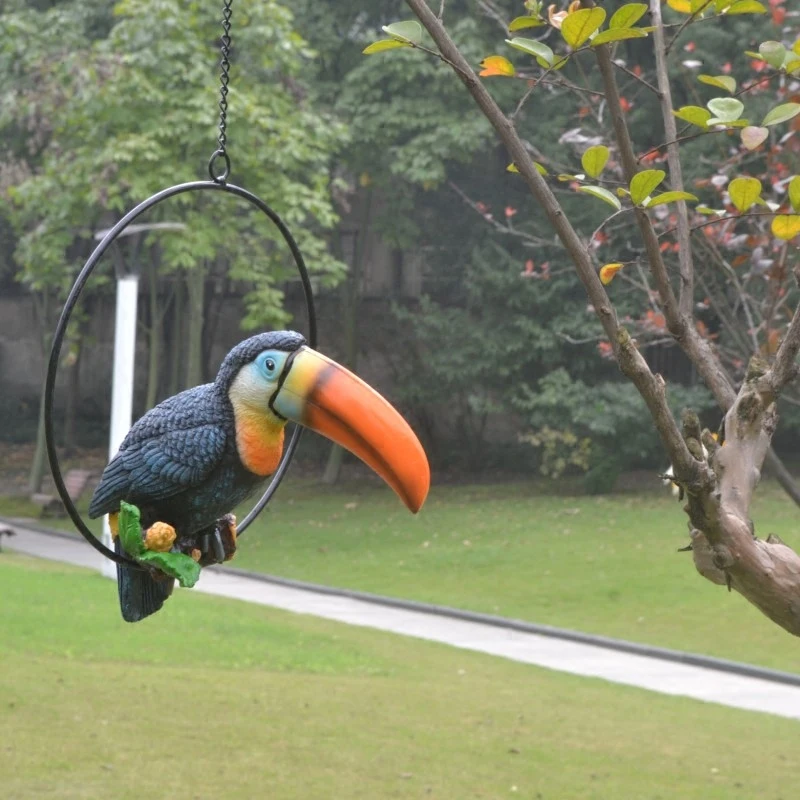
(193, 458)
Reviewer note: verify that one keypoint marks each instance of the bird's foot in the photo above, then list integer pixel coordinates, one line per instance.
(215, 544)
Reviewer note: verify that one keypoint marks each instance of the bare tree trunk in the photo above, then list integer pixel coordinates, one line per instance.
(36, 476)
(351, 297)
(176, 373)
(41, 306)
(195, 283)
(155, 335)
(73, 392)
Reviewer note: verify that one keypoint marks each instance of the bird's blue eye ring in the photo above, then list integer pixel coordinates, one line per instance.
(268, 364)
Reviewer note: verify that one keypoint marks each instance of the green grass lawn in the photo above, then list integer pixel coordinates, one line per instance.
(605, 565)
(216, 699)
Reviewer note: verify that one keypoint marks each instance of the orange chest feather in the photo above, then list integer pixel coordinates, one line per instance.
(259, 443)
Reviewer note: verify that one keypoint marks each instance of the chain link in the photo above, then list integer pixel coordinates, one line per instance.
(224, 80)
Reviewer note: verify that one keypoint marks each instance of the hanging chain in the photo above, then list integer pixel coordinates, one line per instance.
(224, 80)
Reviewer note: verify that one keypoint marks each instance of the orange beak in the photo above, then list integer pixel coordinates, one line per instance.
(322, 395)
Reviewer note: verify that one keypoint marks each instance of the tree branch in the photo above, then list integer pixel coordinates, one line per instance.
(674, 161)
(696, 348)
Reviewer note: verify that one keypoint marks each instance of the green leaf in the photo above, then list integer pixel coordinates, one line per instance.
(721, 5)
(180, 566)
(628, 15)
(410, 30)
(781, 113)
(708, 211)
(578, 26)
(744, 192)
(129, 529)
(602, 194)
(794, 192)
(544, 55)
(616, 34)
(594, 160)
(670, 197)
(720, 81)
(384, 44)
(521, 23)
(746, 7)
(773, 53)
(694, 114)
(644, 183)
(727, 109)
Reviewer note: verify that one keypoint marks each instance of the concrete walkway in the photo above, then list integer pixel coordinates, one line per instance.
(657, 675)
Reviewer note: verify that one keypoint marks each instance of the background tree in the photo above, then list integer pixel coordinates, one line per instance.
(104, 103)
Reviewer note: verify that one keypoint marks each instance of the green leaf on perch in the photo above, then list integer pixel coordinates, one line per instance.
(178, 565)
(129, 529)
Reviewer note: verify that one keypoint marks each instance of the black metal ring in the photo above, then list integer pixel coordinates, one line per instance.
(212, 161)
(72, 299)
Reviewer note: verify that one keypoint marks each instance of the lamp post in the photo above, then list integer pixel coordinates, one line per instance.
(122, 381)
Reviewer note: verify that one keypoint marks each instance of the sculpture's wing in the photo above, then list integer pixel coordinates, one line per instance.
(173, 447)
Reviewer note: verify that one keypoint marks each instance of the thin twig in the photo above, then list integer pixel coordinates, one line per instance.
(637, 78)
(726, 219)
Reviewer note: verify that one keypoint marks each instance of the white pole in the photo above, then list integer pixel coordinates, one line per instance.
(122, 382)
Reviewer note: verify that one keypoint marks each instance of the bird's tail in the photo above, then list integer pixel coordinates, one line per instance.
(140, 595)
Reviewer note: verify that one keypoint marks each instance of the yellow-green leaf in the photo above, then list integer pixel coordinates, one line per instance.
(617, 34)
(627, 15)
(602, 194)
(644, 183)
(543, 54)
(721, 5)
(521, 23)
(594, 160)
(670, 197)
(720, 81)
(746, 7)
(608, 271)
(694, 114)
(681, 6)
(753, 137)
(786, 226)
(410, 30)
(539, 168)
(384, 44)
(727, 109)
(744, 192)
(578, 26)
(781, 113)
(794, 192)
